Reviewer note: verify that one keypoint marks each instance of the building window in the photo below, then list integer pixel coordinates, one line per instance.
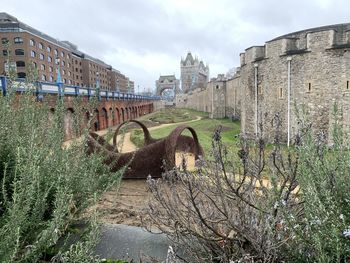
(69, 73)
(68, 65)
(260, 89)
(49, 59)
(280, 93)
(347, 85)
(41, 56)
(51, 78)
(4, 40)
(32, 42)
(68, 56)
(43, 77)
(76, 61)
(55, 52)
(63, 72)
(69, 82)
(20, 64)
(63, 63)
(6, 52)
(42, 67)
(19, 52)
(34, 64)
(41, 46)
(48, 48)
(32, 54)
(50, 69)
(62, 54)
(21, 75)
(18, 40)
(64, 81)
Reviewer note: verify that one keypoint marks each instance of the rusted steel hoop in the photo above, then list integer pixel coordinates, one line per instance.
(150, 158)
(146, 134)
(175, 138)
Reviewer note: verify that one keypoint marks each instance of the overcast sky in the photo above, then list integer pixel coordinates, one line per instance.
(146, 38)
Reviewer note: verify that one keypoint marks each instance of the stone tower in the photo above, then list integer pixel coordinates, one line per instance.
(194, 74)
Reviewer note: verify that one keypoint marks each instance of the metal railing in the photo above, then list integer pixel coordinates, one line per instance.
(42, 88)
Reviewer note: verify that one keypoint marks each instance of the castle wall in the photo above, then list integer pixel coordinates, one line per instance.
(319, 77)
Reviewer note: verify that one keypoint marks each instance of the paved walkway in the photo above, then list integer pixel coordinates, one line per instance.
(130, 242)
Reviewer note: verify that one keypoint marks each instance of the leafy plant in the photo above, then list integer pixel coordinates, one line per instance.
(45, 187)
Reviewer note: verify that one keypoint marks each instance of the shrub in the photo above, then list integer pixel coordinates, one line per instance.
(45, 187)
(262, 204)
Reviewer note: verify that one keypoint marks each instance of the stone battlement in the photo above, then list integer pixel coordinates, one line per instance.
(309, 40)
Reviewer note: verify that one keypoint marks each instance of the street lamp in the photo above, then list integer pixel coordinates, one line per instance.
(59, 79)
(98, 85)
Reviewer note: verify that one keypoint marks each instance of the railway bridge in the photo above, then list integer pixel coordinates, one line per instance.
(111, 107)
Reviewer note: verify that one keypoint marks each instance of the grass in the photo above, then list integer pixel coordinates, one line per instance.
(173, 115)
(204, 128)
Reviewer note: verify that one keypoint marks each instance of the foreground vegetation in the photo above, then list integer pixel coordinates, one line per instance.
(281, 205)
(45, 188)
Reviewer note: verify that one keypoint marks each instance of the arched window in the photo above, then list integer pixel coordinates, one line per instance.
(43, 77)
(41, 56)
(21, 75)
(20, 63)
(41, 46)
(19, 52)
(32, 54)
(49, 59)
(48, 48)
(4, 40)
(50, 69)
(62, 54)
(51, 78)
(18, 40)
(55, 52)
(42, 67)
(34, 64)
(32, 42)
(63, 63)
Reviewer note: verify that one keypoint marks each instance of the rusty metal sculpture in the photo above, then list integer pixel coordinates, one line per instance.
(155, 157)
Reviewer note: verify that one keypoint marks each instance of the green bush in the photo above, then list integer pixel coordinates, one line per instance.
(264, 204)
(45, 187)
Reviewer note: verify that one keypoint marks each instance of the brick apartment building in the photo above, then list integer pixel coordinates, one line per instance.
(22, 45)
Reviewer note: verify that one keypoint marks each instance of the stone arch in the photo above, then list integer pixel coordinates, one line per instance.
(104, 119)
(112, 117)
(126, 113)
(123, 114)
(96, 121)
(86, 119)
(68, 124)
(117, 116)
(130, 113)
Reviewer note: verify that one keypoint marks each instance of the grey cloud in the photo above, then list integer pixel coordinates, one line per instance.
(217, 31)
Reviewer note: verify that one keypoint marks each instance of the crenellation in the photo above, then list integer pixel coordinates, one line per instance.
(242, 59)
(321, 40)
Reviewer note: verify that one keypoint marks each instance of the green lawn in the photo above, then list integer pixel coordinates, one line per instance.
(204, 129)
(173, 115)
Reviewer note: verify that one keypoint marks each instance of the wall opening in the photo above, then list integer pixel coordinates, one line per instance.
(347, 85)
(280, 93)
(309, 87)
